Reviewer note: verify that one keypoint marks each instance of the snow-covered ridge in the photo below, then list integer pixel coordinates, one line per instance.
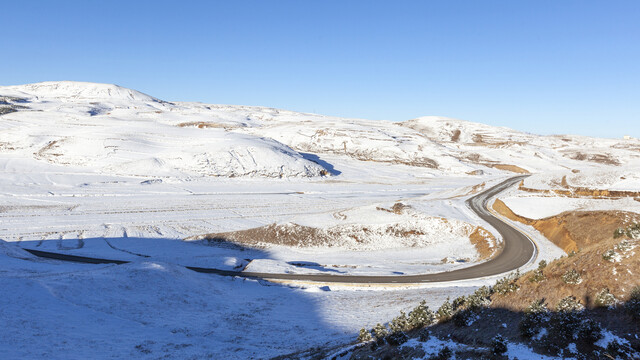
(75, 90)
(110, 129)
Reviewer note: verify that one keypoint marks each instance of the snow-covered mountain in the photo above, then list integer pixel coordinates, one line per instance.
(110, 129)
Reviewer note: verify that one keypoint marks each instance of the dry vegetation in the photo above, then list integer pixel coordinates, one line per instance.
(209, 125)
(559, 309)
(575, 230)
(296, 235)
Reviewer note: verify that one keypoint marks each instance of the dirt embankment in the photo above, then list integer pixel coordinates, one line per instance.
(574, 230)
(484, 242)
(352, 238)
(507, 167)
(619, 275)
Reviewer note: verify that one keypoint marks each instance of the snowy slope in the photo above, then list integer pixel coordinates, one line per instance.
(109, 129)
(100, 170)
(484, 144)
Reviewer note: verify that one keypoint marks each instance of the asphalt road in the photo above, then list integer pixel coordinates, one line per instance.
(516, 252)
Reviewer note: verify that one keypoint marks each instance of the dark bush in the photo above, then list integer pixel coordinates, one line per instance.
(397, 338)
(444, 354)
(498, 345)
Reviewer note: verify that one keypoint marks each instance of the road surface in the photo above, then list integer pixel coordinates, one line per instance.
(517, 251)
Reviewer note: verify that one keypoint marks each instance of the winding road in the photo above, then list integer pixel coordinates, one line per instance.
(517, 251)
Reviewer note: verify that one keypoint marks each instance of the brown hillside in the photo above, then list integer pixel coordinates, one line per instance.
(575, 230)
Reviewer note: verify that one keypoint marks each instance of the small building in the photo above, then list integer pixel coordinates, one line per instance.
(627, 137)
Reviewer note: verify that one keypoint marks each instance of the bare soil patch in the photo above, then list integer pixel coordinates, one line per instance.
(209, 125)
(574, 230)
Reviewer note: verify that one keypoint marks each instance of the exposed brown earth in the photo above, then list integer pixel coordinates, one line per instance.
(295, 235)
(597, 273)
(455, 136)
(490, 141)
(484, 243)
(574, 230)
(505, 311)
(275, 234)
(397, 208)
(208, 125)
(607, 159)
(507, 167)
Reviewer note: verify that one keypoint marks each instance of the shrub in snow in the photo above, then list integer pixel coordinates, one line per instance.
(464, 318)
(397, 338)
(615, 350)
(424, 335)
(421, 316)
(589, 331)
(569, 324)
(623, 246)
(562, 328)
(618, 233)
(604, 298)
(498, 345)
(507, 284)
(633, 305)
(399, 323)
(533, 320)
(633, 231)
(536, 307)
(572, 277)
(480, 298)
(459, 303)
(542, 264)
(364, 336)
(445, 311)
(537, 276)
(444, 354)
(379, 332)
(610, 255)
(569, 304)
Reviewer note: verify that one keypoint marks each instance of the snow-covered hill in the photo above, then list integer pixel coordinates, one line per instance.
(110, 129)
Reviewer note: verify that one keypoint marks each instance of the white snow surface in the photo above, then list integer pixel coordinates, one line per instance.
(539, 207)
(626, 179)
(100, 170)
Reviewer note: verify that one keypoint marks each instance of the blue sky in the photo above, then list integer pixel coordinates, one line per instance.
(538, 66)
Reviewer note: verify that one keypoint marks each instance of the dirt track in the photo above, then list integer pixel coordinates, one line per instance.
(516, 252)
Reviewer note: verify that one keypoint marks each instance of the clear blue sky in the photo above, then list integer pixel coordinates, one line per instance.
(538, 66)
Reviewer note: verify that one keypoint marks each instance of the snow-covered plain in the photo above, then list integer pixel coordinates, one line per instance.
(99, 170)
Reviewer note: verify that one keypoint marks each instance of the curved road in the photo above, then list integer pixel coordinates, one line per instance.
(517, 251)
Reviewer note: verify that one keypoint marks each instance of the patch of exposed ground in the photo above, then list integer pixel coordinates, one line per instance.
(606, 159)
(574, 230)
(359, 237)
(209, 125)
(618, 274)
(455, 136)
(474, 321)
(507, 167)
(484, 243)
(490, 141)
(478, 159)
(48, 152)
(397, 208)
